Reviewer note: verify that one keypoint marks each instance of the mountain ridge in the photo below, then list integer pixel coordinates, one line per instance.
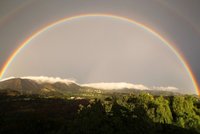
(49, 85)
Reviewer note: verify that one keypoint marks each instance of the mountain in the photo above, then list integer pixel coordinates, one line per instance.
(21, 85)
(57, 86)
(33, 86)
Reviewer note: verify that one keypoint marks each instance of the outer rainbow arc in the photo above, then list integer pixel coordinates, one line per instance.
(170, 45)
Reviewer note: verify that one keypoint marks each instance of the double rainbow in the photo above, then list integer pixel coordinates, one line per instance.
(156, 34)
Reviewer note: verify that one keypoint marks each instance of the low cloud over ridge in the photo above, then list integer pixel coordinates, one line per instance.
(120, 85)
(44, 79)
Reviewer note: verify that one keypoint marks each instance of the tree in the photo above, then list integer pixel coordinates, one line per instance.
(160, 111)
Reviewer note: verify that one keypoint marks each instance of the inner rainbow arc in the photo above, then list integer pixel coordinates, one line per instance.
(156, 34)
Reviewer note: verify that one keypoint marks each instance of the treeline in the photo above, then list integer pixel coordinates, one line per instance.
(117, 114)
(139, 114)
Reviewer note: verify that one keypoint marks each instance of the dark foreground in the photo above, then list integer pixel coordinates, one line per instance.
(118, 114)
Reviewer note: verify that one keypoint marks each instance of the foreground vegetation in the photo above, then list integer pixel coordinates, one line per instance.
(111, 114)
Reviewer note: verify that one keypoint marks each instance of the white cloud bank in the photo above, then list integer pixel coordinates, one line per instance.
(7, 78)
(120, 85)
(169, 88)
(44, 79)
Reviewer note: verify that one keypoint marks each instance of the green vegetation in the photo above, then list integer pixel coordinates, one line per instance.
(108, 114)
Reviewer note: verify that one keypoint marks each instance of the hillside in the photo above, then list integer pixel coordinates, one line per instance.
(112, 114)
(31, 86)
(57, 86)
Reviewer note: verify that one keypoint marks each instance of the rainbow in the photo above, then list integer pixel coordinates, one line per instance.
(156, 34)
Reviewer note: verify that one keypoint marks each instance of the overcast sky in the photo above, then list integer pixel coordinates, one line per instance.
(176, 20)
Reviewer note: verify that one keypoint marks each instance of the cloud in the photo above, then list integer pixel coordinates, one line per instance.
(169, 88)
(7, 78)
(44, 79)
(120, 85)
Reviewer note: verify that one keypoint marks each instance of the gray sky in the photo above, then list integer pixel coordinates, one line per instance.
(176, 20)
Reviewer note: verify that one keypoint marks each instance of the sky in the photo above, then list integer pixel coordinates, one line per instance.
(176, 20)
